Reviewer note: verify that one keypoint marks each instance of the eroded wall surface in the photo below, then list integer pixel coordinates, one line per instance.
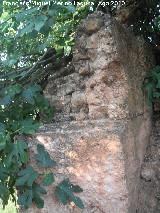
(149, 189)
(101, 125)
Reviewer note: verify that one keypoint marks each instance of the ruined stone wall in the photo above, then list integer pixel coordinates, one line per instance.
(110, 65)
(149, 189)
(101, 125)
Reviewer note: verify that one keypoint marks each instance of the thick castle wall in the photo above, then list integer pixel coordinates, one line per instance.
(101, 125)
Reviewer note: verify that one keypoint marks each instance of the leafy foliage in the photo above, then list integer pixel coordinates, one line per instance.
(43, 159)
(19, 118)
(27, 33)
(26, 177)
(64, 192)
(48, 179)
(32, 194)
(152, 85)
(29, 29)
(143, 16)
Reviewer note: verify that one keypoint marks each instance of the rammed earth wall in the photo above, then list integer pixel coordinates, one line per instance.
(102, 125)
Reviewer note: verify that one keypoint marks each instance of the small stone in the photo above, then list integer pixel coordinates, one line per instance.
(156, 106)
(158, 173)
(69, 89)
(108, 80)
(157, 196)
(78, 99)
(147, 173)
(93, 24)
(84, 70)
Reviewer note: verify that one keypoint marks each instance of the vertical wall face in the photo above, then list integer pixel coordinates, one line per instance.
(110, 66)
(101, 125)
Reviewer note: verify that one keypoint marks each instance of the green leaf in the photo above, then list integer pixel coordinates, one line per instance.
(33, 34)
(45, 30)
(77, 201)
(38, 201)
(43, 158)
(50, 22)
(13, 90)
(64, 193)
(25, 198)
(9, 62)
(39, 22)
(76, 188)
(21, 151)
(28, 126)
(27, 29)
(25, 13)
(37, 191)
(48, 179)
(52, 12)
(158, 83)
(61, 195)
(156, 94)
(30, 93)
(71, 8)
(17, 152)
(26, 177)
(4, 193)
(4, 139)
(10, 152)
(6, 100)
(32, 194)
(9, 94)
(1, 7)
(149, 88)
(2, 128)
(3, 172)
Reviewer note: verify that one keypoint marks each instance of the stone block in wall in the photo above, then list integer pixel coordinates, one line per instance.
(102, 156)
(110, 65)
(101, 125)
